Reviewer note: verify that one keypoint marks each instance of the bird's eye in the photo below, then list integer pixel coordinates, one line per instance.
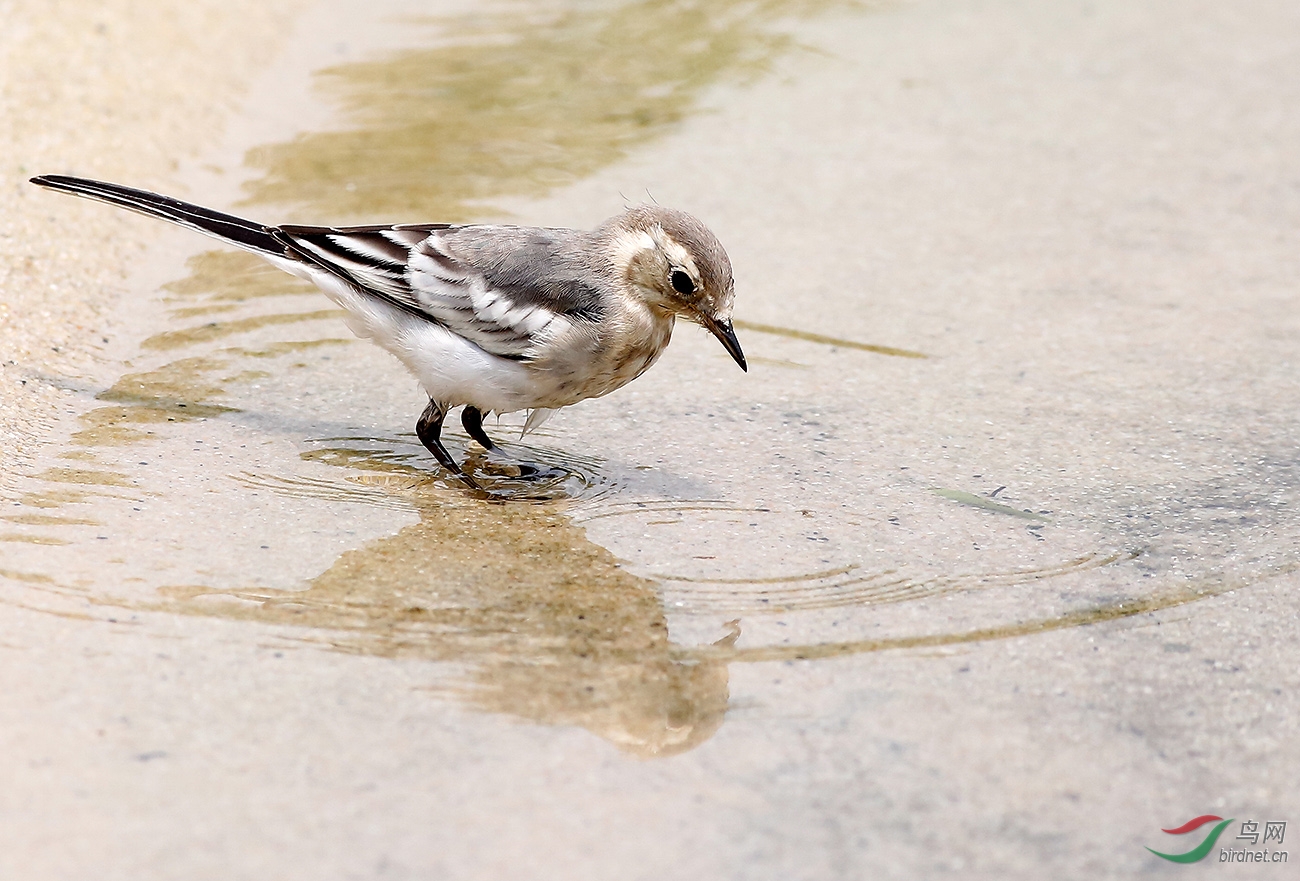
(682, 282)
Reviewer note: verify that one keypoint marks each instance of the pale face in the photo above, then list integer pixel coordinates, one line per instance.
(677, 266)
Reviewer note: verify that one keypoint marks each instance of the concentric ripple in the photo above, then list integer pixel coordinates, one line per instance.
(845, 587)
(392, 467)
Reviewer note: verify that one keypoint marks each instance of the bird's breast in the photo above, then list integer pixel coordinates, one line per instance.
(597, 359)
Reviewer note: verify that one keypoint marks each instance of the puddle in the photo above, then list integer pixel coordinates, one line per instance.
(254, 464)
(546, 624)
(514, 101)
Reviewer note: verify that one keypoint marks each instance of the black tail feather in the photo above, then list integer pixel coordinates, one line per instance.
(237, 230)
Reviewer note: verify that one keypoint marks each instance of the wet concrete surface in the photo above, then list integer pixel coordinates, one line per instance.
(984, 569)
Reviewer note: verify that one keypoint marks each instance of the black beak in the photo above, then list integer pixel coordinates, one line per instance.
(726, 335)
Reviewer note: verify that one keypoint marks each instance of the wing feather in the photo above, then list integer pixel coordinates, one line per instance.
(506, 289)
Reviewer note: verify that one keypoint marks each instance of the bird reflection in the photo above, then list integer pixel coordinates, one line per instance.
(547, 625)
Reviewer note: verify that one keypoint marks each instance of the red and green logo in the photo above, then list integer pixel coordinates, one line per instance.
(1198, 852)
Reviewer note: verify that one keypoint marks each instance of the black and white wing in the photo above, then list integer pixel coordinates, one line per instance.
(506, 289)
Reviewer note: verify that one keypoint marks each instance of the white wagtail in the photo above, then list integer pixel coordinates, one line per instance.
(495, 318)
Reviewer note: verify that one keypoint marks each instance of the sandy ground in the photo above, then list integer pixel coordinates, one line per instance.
(111, 90)
(986, 569)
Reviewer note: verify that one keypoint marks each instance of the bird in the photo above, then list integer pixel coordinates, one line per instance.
(492, 318)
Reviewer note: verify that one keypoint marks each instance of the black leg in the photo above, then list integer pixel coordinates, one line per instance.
(472, 418)
(429, 430)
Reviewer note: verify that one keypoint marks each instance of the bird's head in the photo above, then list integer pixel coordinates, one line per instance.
(676, 265)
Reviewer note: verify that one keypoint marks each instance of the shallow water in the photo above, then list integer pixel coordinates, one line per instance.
(979, 409)
(259, 466)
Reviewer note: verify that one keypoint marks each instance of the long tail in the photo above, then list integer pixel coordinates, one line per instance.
(236, 230)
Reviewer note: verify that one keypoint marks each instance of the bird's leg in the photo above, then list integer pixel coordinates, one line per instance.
(472, 418)
(429, 430)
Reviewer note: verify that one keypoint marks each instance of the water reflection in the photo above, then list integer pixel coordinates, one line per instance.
(516, 101)
(549, 626)
(545, 625)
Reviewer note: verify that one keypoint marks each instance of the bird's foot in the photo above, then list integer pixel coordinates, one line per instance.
(529, 471)
(499, 464)
(472, 419)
